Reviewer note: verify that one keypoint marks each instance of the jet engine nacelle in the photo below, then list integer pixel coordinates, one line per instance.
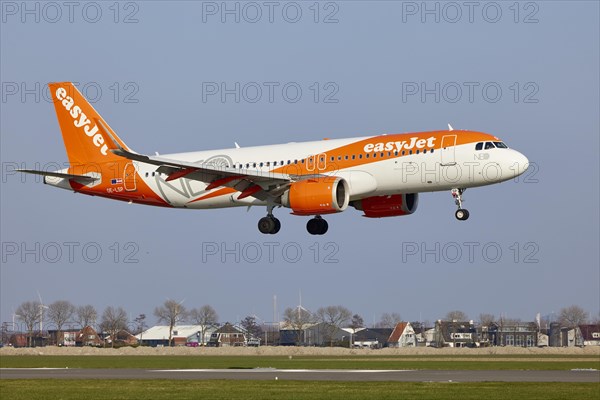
(315, 196)
(388, 206)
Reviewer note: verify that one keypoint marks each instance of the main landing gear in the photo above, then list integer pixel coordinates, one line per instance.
(317, 226)
(461, 214)
(269, 224)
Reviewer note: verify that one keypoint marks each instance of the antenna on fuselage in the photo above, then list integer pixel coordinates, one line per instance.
(450, 127)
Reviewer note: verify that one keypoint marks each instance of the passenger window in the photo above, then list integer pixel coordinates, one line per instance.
(374, 155)
(360, 156)
(479, 146)
(489, 145)
(396, 153)
(403, 152)
(353, 156)
(332, 158)
(417, 151)
(410, 152)
(367, 156)
(346, 157)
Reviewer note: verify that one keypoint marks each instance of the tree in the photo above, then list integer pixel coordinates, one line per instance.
(86, 315)
(333, 317)
(171, 313)
(298, 319)
(486, 319)
(572, 316)
(60, 312)
(206, 317)
(389, 320)
(456, 315)
(140, 325)
(356, 323)
(29, 313)
(252, 328)
(113, 321)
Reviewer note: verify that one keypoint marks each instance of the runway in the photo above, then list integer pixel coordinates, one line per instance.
(306, 375)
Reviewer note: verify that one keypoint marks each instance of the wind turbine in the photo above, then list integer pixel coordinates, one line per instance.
(41, 306)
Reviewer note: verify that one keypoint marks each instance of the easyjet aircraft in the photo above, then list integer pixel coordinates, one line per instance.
(381, 176)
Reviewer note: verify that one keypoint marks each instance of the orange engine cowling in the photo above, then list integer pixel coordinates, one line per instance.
(316, 196)
(388, 206)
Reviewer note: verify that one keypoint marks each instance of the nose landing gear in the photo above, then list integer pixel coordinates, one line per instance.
(461, 214)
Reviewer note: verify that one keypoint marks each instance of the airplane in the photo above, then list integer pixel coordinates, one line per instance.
(381, 176)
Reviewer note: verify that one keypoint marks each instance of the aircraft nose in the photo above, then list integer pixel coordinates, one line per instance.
(521, 163)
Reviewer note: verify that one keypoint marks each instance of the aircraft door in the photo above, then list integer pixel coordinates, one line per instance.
(129, 174)
(448, 151)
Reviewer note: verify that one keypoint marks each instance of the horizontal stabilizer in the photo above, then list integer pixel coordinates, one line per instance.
(83, 179)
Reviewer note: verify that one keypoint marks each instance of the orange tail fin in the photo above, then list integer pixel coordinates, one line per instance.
(86, 135)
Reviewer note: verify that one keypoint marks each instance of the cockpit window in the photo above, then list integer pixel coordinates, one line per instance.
(479, 146)
(489, 145)
(501, 145)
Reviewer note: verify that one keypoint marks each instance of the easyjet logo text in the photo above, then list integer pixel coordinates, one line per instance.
(80, 120)
(400, 145)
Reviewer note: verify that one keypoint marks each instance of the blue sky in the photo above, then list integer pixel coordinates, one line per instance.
(526, 73)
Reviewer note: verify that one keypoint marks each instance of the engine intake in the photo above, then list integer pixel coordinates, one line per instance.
(315, 196)
(388, 206)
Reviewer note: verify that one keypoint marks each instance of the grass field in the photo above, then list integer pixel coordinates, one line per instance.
(520, 362)
(251, 390)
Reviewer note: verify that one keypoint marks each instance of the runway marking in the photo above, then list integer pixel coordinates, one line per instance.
(264, 370)
(31, 369)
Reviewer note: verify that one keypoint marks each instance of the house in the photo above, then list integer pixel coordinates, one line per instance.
(88, 336)
(227, 336)
(564, 336)
(121, 338)
(455, 334)
(403, 335)
(590, 334)
(372, 338)
(181, 335)
(324, 334)
(518, 334)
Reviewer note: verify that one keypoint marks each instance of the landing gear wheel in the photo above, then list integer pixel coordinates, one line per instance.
(462, 214)
(317, 226)
(266, 225)
(269, 225)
